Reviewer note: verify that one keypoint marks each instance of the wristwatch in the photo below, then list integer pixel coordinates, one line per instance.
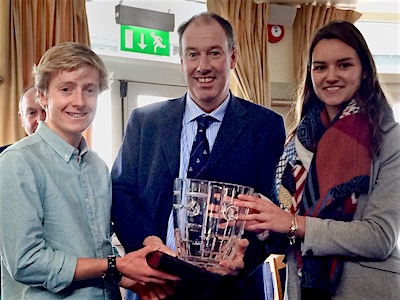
(112, 274)
(111, 279)
(292, 231)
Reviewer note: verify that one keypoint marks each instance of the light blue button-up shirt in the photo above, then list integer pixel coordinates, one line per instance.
(55, 203)
(189, 130)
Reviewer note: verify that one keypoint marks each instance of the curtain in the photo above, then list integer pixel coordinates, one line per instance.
(249, 21)
(309, 19)
(28, 29)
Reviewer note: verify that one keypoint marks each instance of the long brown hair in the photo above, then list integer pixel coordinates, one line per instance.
(370, 97)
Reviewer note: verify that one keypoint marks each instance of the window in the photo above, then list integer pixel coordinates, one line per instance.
(101, 128)
(146, 100)
(383, 40)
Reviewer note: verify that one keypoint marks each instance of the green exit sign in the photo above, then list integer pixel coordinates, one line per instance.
(144, 40)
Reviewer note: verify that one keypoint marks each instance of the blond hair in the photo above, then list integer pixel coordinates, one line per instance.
(68, 56)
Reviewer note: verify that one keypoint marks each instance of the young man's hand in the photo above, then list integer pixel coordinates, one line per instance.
(134, 266)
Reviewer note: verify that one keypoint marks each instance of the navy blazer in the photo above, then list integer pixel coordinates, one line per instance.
(246, 151)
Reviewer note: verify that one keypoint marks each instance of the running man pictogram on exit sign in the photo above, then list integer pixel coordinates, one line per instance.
(144, 40)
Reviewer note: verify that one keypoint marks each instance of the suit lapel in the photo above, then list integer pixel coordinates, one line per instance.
(171, 131)
(231, 127)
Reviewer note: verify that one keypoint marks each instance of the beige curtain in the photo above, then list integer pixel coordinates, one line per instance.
(249, 21)
(309, 19)
(28, 29)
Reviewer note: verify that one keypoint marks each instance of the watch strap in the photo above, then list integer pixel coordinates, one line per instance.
(111, 279)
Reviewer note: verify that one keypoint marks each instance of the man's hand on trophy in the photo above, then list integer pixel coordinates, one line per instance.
(236, 264)
(155, 240)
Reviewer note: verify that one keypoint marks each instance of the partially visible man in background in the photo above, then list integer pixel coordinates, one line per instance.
(29, 111)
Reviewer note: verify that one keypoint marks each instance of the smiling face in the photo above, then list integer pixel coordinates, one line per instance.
(71, 102)
(336, 74)
(206, 62)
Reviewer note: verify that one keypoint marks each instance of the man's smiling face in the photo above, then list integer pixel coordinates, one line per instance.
(206, 62)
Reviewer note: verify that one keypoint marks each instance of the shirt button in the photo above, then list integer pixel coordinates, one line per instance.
(66, 156)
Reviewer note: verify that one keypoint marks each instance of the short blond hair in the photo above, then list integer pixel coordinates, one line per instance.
(67, 57)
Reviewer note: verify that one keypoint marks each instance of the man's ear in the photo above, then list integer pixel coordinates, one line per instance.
(234, 58)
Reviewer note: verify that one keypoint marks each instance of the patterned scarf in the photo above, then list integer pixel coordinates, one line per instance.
(323, 169)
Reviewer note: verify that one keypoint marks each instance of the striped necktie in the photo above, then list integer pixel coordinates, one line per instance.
(200, 149)
(197, 162)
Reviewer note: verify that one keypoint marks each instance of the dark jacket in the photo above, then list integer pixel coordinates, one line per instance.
(246, 151)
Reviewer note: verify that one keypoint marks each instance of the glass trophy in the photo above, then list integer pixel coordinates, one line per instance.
(206, 223)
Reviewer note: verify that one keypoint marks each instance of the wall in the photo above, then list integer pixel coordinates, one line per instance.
(105, 40)
(281, 72)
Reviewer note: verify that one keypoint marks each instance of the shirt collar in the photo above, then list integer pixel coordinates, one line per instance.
(192, 110)
(60, 146)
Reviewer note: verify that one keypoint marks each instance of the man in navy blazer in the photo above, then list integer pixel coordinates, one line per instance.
(248, 141)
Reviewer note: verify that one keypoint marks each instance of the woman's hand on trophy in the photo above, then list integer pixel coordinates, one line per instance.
(264, 215)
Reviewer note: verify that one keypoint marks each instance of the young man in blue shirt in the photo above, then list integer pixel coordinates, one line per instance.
(55, 195)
